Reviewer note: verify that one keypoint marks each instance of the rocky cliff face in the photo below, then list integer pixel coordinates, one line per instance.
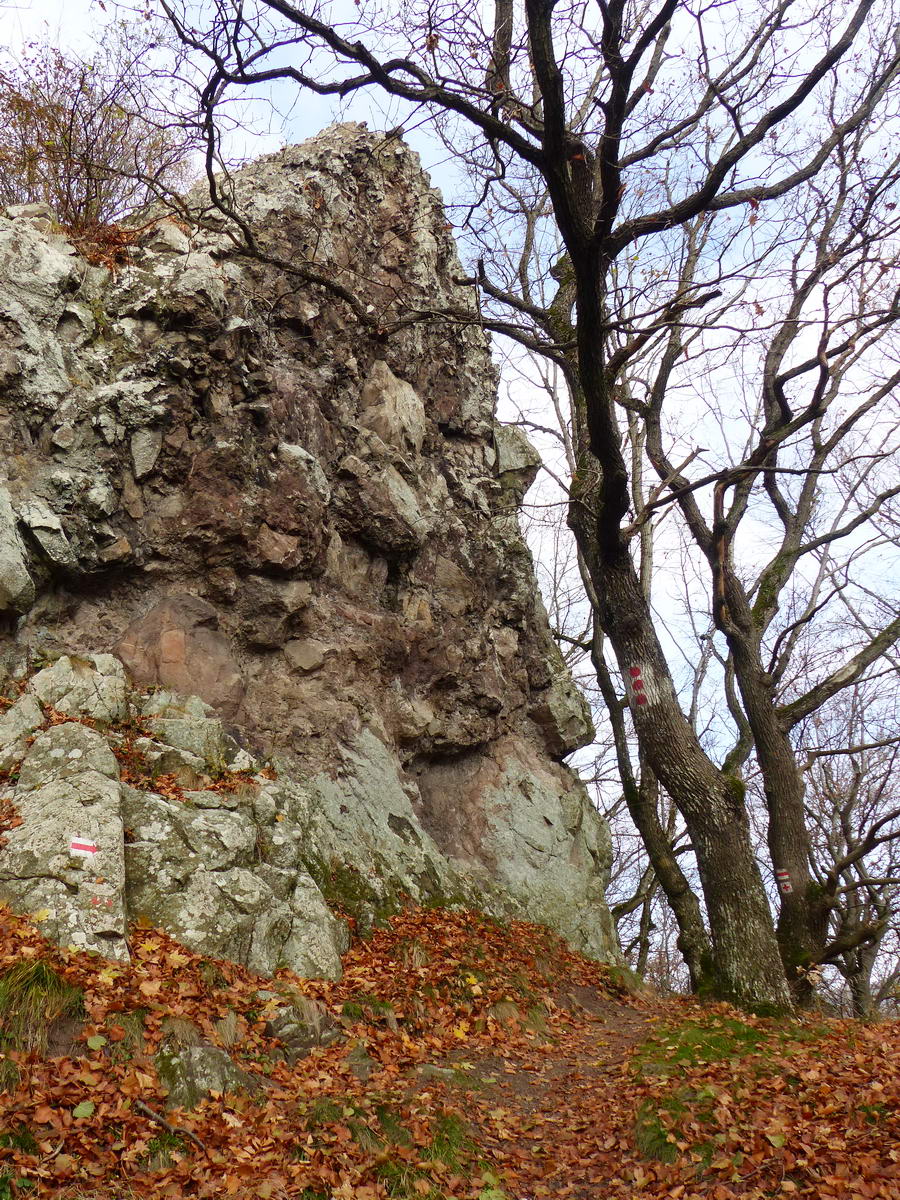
(272, 634)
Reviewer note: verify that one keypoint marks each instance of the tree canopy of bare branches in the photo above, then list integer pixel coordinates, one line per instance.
(691, 212)
(85, 136)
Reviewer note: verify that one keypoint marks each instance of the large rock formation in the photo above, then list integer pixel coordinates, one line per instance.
(292, 519)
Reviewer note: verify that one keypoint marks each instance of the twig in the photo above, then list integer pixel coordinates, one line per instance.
(141, 1107)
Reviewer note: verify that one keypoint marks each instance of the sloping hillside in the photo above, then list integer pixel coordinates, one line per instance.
(457, 1059)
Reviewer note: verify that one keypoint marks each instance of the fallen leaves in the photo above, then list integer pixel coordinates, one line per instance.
(469, 1070)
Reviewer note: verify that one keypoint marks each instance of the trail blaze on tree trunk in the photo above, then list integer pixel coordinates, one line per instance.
(747, 963)
(562, 96)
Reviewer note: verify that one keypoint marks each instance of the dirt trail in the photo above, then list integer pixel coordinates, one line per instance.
(551, 1115)
(466, 1061)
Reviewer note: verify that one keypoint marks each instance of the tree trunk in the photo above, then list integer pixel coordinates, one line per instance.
(856, 967)
(860, 983)
(803, 915)
(747, 963)
(642, 798)
(693, 942)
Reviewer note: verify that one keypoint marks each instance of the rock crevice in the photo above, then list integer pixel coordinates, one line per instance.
(296, 531)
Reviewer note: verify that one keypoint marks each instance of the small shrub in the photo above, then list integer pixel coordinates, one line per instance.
(87, 137)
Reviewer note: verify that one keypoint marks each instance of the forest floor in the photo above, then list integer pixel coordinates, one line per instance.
(463, 1060)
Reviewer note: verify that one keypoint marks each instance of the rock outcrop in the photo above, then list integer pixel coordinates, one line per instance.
(256, 512)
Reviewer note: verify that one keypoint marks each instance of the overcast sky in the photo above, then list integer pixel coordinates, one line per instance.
(64, 23)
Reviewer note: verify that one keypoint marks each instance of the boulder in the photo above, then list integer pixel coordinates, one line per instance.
(189, 1073)
(92, 687)
(65, 862)
(193, 869)
(16, 585)
(18, 722)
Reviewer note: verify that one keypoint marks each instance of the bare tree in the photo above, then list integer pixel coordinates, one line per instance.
(637, 136)
(853, 804)
(87, 136)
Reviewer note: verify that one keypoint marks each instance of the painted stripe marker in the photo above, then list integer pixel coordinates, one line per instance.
(83, 847)
(784, 882)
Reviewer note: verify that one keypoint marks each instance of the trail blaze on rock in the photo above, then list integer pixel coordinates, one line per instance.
(300, 530)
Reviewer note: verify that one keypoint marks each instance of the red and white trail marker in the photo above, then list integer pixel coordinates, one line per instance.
(639, 686)
(784, 882)
(83, 847)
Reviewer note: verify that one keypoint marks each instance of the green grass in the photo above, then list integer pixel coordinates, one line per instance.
(160, 1150)
(391, 1128)
(32, 995)
(324, 1110)
(660, 1122)
(376, 1127)
(652, 1136)
(717, 1039)
(658, 1126)
(451, 1143)
(364, 1007)
(133, 1041)
(9, 1075)
(689, 1045)
(20, 1138)
(451, 1138)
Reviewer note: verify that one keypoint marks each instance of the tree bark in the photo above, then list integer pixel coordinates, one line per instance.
(803, 915)
(747, 963)
(859, 980)
(748, 966)
(641, 798)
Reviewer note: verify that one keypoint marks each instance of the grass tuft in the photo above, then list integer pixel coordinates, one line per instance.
(32, 995)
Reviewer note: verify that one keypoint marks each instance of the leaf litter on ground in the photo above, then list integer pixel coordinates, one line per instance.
(477, 1061)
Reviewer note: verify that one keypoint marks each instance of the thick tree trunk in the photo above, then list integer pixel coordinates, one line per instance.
(747, 963)
(745, 949)
(803, 915)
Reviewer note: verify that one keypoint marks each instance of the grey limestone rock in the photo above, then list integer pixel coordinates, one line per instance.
(87, 687)
(217, 870)
(190, 1072)
(299, 1026)
(564, 716)
(517, 461)
(391, 407)
(46, 528)
(145, 447)
(297, 532)
(16, 724)
(65, 861)
(16, 585)
(63, 751)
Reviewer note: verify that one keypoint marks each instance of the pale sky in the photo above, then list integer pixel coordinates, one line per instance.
(52, 20)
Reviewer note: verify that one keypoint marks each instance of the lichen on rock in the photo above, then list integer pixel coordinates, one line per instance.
(294, 527)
